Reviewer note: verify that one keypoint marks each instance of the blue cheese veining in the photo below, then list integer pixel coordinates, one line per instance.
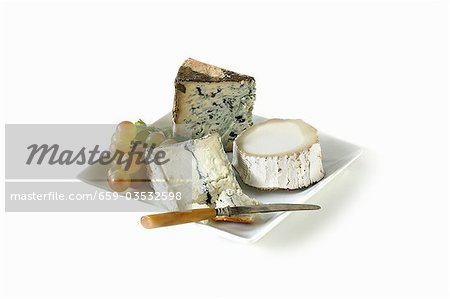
(200, 171)
(211, 99)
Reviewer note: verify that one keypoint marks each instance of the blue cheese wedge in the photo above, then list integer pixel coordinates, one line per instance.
(211, 99)
(200, 171)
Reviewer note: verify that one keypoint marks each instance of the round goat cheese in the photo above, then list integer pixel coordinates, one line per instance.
(279, 154)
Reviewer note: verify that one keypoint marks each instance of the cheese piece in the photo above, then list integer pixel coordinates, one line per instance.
(211, 99)
(279, 154)
(200, 171)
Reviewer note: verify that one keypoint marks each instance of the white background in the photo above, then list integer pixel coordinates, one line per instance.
(373, 73)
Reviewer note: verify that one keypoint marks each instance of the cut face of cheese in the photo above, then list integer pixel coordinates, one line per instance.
(211, 99)
(200, 171)
(279, 154)
(277, 137)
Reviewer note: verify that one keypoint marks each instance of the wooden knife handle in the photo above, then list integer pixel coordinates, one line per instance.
(174, 218)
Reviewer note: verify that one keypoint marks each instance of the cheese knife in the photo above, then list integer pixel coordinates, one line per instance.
(174, 218)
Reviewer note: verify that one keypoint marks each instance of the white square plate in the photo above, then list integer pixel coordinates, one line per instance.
(337, 155)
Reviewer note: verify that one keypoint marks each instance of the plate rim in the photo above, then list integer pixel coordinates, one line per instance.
(275, 222)
(355, 154)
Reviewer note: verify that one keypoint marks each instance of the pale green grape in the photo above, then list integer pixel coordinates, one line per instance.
(113, 168)
(122, 145)
(132, 167)
(155, 139)
(152, 129)
(119, 180)
(112, 148)
(168, 142)
(142, 135)
(167, 132)
(113, 138)
(126, 130)
(139, 148)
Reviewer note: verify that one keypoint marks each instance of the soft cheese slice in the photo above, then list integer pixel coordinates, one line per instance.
(211, 99)
(200, 171)
(279, 154)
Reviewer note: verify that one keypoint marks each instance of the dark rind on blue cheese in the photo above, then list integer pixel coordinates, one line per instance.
(187, 74)
(211, 99)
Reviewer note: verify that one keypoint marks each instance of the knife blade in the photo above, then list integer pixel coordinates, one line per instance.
(264, 208)
(174, 218)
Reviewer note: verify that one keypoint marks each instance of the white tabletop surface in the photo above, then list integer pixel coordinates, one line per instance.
(371, 73)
